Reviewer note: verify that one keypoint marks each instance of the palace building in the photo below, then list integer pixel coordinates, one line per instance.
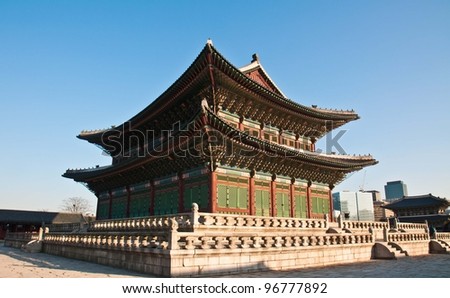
(422, 208)
(226, 138)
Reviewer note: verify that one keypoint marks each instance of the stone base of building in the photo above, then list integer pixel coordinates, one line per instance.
(149, 261)
(205, 244)
(195, 263)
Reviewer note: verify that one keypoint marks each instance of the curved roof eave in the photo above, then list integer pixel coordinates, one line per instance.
(196, 67)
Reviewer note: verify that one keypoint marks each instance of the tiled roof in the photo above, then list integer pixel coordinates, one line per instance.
(421, 201)
(37, 217)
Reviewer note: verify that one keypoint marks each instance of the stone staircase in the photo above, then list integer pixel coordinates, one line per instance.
(445, 244)
(439, 246)
(398, 251)
(388, 250)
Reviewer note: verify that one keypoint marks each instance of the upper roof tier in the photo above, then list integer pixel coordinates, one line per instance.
(212, 77)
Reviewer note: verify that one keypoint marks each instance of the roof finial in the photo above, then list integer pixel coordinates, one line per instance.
(255, 57)
(209, 41)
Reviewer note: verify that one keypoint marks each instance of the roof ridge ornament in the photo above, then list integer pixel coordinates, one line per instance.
(204, 105)
(209, 42)
(255, 57)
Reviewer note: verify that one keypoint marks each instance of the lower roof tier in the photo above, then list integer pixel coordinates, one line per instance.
(209, 141)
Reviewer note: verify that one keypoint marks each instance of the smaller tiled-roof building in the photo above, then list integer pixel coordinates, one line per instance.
(31, 221)
(420, 208)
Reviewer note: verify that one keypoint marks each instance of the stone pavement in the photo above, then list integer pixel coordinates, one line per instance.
(436, 266)
(16, 263)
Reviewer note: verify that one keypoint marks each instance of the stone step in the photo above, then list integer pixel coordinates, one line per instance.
(445, 244)
(398, 251)
(385, 250)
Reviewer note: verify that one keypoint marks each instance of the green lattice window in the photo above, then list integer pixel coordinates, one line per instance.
(166, 201)
(119, 206)
(140, 203)
(230, 196)
(232, 192)
(103, 210)
(262, 202)
(283, 204)
(320, 205)
(196, 192)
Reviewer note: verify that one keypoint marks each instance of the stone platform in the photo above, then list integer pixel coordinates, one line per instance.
(205, 244)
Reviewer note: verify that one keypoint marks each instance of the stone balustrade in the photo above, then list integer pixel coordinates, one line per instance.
(442, 236)
(248, 221)
(184, 221)
(109, 241)
(265, 240)
(363, 225)
(407, 237)
(199, 240)
(190, 221)
(411, 226)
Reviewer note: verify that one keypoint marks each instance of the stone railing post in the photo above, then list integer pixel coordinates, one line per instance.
(327, 219)
(340, 221)
(372, 235)
(41, 234)
(173, 234)
(194, 216)
(385, 234)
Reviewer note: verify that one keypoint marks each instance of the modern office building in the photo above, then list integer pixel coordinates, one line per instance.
(376, 196)
(395, 190)
(354, 205)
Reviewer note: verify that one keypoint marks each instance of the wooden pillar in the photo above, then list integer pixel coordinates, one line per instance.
(127, 214)
(180, 193)
(96, 212)
(273, 197)
(110, 205)
(313, 144)
(292, 197)
(331, 186)
(241, 124)
(213, 191)
(280, 134)
(251, 193)
(308, 200)
(261, 131)
(152, 198)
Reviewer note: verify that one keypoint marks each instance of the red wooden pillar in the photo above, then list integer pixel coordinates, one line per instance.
(251, 193)
(308, 200)
(292, 197)
(180, 193)
(152, 198)
(273, 198)
(110, 205)
(313, 144)
(241, 124)
(331, 186)
(213, 191)
(127, 214)
(280, 136)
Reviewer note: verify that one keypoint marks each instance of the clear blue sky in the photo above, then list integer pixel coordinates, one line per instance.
(66, 66)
